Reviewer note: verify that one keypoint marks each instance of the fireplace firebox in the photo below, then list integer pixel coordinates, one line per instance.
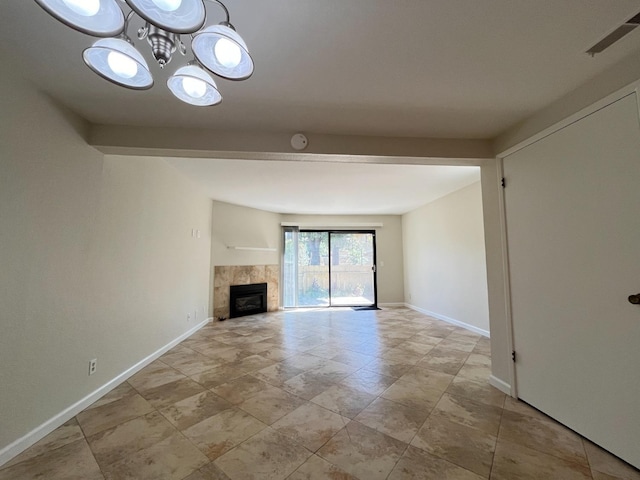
(247, 299)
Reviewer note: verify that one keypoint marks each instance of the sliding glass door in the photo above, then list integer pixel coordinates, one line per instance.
(329, 268)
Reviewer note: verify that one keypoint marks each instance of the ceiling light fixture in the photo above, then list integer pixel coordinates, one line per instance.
(216, 48)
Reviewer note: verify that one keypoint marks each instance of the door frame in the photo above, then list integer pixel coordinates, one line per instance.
(631, 89)
(329, 231)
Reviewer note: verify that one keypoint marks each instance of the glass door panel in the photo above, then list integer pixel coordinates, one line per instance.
(313, 269)
(352, 259)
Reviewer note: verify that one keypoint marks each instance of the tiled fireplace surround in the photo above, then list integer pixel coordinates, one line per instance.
(226, 275)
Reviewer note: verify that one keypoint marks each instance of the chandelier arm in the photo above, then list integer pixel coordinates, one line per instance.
(127, 19)
(226, 11)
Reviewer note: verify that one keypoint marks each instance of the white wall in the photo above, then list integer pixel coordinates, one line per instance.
(444, 258)
(237, 226)
(388, 248)
(96, 260)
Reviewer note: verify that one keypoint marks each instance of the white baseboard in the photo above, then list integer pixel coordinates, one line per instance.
(504, 387)
(452, 321)
(392, 304)
(21, 444)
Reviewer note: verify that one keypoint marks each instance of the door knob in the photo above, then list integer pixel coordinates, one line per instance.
(634, 299)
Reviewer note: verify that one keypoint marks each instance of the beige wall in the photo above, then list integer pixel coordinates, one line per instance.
(444, 258)
(97, 260)
(237, 226)
(388, 248)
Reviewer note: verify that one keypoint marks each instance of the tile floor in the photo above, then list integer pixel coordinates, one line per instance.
(328, 394)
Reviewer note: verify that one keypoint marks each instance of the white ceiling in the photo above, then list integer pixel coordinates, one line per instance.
(325, 188)
(410, 68)
(421, 68)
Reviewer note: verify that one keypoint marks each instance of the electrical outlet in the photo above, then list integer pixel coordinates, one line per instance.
(195, 314)
(93, 365)
(188, 317)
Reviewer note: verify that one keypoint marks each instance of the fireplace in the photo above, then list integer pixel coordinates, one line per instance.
(247, 299)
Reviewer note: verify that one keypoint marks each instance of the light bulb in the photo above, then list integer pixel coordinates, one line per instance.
(122, 65)
(87, 8)
(227, 53)
(168, 5)
(194, 87)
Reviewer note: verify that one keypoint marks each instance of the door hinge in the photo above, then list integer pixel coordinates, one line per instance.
(503, 182)
(513, 355)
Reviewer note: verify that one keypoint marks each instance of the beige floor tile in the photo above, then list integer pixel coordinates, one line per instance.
(68, 433)
(389, 367)
(154, 375)
(479, 359)
(305, 361)
(604, 463)
(426, 339)
(468, 412)
(218, 376)
(544, 435)
(480, 392)
(326, 350)
(333, 371)
(415, 348)
(344, 400)
(416, 464)
(397, 421)
(514, 462)
(368, 381)
(276, 354)
(268, 455)
(173, 392)
(229, 354)
(192, 410)
(307, 385)
(412, 395)
(307, 374)
(126, 439)
(399, 356)
(444, 360)
(427, 378)
(72, 461)
(316, 468)
(208, 472)
(238, 390)
(271, 404)
(113, 413)
(353, 358)
(218, 434)
(463, 446)
(310, 425)
(121, 391)
(170, 459)
(278, 373)
(253, 363)
(456, 345)
(190, 363)
(363, 451)
(479, 373)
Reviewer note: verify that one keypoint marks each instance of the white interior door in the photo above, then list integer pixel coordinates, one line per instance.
(573, 223)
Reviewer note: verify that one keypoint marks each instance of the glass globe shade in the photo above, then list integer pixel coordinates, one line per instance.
(227, 53)
(194, 87)
(86, 8)
(122, 65)
(168, 5)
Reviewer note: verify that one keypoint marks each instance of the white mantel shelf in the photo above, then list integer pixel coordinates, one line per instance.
(256, 249)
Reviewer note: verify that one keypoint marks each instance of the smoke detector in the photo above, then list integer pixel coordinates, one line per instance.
(299, 141)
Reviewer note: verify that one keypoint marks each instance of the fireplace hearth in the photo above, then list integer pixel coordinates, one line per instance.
(247, 299)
